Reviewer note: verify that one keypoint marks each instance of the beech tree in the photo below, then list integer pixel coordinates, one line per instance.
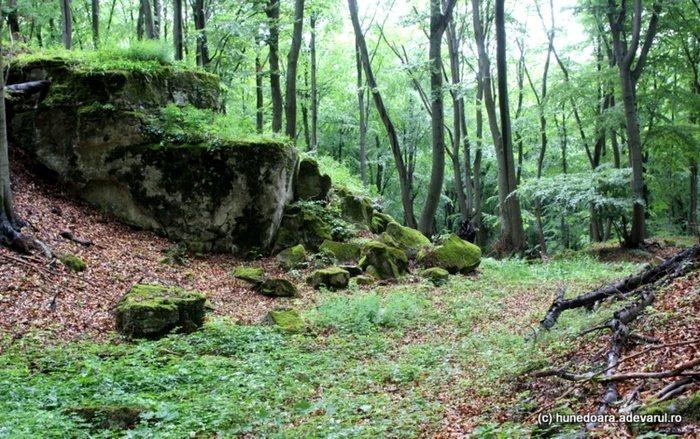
(66, 24)
(292, 59)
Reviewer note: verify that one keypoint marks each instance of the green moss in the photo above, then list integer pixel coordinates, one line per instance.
(73, 262)
(332, 277)
(152, 311)
(455, 256)
(380, 221)
(383, 261)
(342, 251)
(278, 288)
(293, 257)
(289, 320)
(301, 227)
(257, 273)
(436, 275)
(409, 240)
(357, 209)
(688, 408)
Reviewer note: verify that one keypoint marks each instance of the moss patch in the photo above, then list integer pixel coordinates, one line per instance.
(436, 275)
(342, 251)
(278, 288)
(382, 261)
(293, 257)
(409, 240)
(289, 320)
(380, 221)
(455, 256)
(73, 262)
(333, 277)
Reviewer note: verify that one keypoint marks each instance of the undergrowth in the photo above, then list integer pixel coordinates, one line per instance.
(382, 363)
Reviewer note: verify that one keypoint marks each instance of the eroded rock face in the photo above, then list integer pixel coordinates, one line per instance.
(93, 131)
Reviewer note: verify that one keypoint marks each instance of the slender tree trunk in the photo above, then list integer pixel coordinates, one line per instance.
(148, 19)
(259, 103)
(157, 18)
(66, 24)
(438, 23)
(363, 121)
(404, 179)
(693, 205)
(290, 108)
(273, 14)
(314, 86)
(12, 21)
(200, 24)
(177, 29)
(96, 23)
(629, 76)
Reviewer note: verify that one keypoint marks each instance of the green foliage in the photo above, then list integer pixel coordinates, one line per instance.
(341, 176)
(341, 230)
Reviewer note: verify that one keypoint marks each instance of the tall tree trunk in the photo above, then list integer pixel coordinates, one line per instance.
(438, 23)
(148, 19)
(200, 23)
(363, 121)
(96, 23)
(272, 10)
(259, 103)
(480, 234)
(693, 205)
(290, 108)
(404, 179)
(157, 18)
(628, 81)
(314, 85)
(12, 21)
(177, 29)
(66, 24)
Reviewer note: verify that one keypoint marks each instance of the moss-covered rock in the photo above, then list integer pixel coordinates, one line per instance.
(73, 262)
(409, 240)
(108, 417)
(382, 261)
(455, 255)
(278, 288)
(289, 320)
(293, 257)
(311, 184)
(94, 132)
(687, 409)
(342, 251)
(364, 280)
(357, 209)
(333, 277)
(436, 275)
(300, 227)
(253, 275)
(151, 311)
(380, 221)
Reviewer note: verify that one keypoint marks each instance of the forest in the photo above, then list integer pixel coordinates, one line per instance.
(363, 219)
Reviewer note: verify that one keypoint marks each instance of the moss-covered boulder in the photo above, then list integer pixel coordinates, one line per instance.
(357, 209)
(364, 280)
(686, 409)
(409, 240)
(108, 417)
(380, 221)
(334, 278)
(301, 227)
(382, 261)
(254, 275)
(278, 288)
(342, 251)
(95, 132)
(73, 262)
(311, 184)
(293, 257)
(289, 320)
(151, 311)
(455, 255)
(436, 275)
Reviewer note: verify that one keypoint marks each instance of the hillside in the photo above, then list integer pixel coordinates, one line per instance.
(406, 359)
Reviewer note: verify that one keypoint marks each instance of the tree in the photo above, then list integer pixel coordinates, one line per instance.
(200, 24)
(438, 24)
(272, 10)
(625, 54)
(66, 24)
(404, 178)
(177, 29)
(147, 12)
(96, 23)
(292, 60)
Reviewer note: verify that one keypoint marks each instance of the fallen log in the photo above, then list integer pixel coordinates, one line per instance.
(624, 286)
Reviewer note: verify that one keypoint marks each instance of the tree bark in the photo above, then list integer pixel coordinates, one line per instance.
(272, 10)
(157, 18)
(625, 55)
(177, 29)
(12, 21)
(404, 179)
(438, 24)
(314, 85)
(362, 115)
(693, 205)
(148, 19)
(96, 23)
(66, 24)
(290, 107)
(259, 103)
(200, 23)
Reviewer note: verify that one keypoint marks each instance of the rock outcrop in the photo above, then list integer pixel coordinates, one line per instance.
(94, 130)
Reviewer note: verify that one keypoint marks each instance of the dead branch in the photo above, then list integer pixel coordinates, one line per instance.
(66, 234)
(676, 371)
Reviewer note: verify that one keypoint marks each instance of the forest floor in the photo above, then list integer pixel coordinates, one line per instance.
(404, 359)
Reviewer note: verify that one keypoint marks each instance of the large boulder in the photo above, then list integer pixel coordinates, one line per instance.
(455, 255)
(382, 261)
(96, 132)
(409, 240)
(332, 277)
(272, 287)
(151, 311)
(301, 227)
(380, 221)
(342, 251)
(311, 184)
(291, 258)
(357, 209)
